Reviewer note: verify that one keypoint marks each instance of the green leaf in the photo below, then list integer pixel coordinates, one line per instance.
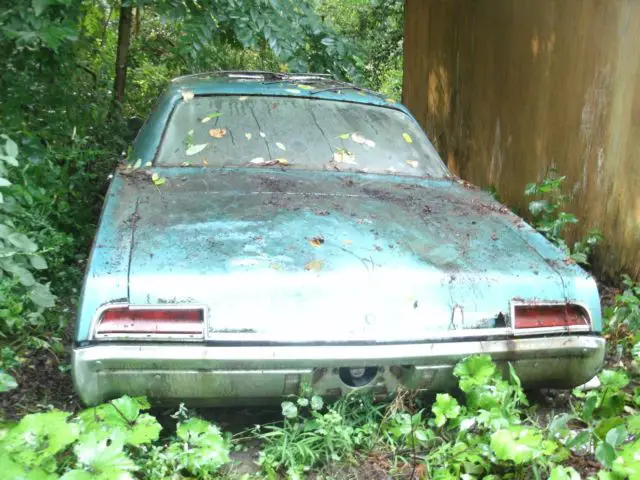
(194, 149)
(517, 444)
(10, 160)
(103, 452)
(124, 414)
(617, 436)
(206, 449)
(615, 379)
(42, 296)
(38, 437)
(11, 148)
(39, 6)
(605, 454)
(38, 262)
(579, 440)
(475, 370)
(407, 138)
(22, 242)
(564, 473)
(538, 206)
(445, 407)
(317, 403)
(627, 465)
(289, 410)
(210, 116)
(7, 382)
(4, 182)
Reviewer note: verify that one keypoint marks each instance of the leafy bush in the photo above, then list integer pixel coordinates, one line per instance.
(109, 442)
(622, 320)
(552, 222)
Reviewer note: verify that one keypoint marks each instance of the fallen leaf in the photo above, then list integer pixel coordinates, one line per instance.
(344, 156)
(390, 100)
(494, 236)
(205, 162)
(157, 180)
(275, 266)
(137, 164)
(218, 132)
(305, 87)
(407, 138)
(247, 136)
(347, 242)
(263, 135)
(282, 161)
(281, 146)
(257, 160)
(293, 90)
(210, 116)
(316, 241)
(242, 99)
(193, 149)
(391, 170)
(343, 136)
(154, 177)
(185, 164)
(314, 265)
(148, 164)
(362, 141)
(413, 163)
(187, 95)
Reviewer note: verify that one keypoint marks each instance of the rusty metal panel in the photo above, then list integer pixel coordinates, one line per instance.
(507, 90)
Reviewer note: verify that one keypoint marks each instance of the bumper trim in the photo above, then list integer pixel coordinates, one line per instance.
(231, 374)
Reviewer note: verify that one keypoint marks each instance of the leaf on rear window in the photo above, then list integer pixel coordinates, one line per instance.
(242, 99)
(316, 241)
(390, 100)
(293, 91)
(257, 161)
(314, 266)
(302, 86)
(344, 136)
(247, 136)
(407, 137)
(344, 156)
(193, 149)
(187, 95)
(263, 135)
(210, 116)
(218, 132)
(280, 146)
(282, 161)
(412, 163)
(185, 164)
(205, 162)
(347, 242)
(362, 141)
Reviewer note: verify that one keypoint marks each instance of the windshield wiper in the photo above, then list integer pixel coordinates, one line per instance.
(344, 86)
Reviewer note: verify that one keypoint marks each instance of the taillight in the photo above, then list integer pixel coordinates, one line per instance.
(157, 322)
(545, 316)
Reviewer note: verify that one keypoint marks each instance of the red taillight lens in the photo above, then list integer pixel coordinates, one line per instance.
(124, 320)
(544, 316)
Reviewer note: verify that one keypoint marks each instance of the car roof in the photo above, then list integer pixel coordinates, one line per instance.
(310, 85)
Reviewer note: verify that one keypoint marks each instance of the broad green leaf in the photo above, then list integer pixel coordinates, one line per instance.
(7, 382)
(617, 436)
(289, 410)
(23, 275)
(38, 262)
(206, 448)
(627, 464)
(39, 6)
(605, 454)
(38, 437)
(11, 148)
(22, 242)
(10, 160)
(517, 444)
(445, 407)
(42, 296)
(579, 440)
(317, 403)
(614, 379)
(103, 452)
(4, 182)
(564, 473)
(194, 149)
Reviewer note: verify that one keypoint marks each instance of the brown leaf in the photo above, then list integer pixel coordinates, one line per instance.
(218, 132)
(316, 241)
(314, 265)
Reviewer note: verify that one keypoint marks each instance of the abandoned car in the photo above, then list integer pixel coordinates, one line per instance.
(271, 231)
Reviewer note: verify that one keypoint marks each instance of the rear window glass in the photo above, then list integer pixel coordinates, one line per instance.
(297, 133)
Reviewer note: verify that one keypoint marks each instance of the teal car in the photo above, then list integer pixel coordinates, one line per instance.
(272, 231)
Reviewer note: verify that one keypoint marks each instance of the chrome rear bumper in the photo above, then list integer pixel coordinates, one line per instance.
(232, 375)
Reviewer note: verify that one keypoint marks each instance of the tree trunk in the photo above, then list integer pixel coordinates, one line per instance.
(138, 21)
(122, 55)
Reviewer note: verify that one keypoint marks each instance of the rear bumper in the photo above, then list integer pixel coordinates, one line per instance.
(228, 375)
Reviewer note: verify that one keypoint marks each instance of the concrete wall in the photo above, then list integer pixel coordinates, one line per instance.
(507, 89)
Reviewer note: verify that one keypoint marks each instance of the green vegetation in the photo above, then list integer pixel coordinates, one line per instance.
(489, 432)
